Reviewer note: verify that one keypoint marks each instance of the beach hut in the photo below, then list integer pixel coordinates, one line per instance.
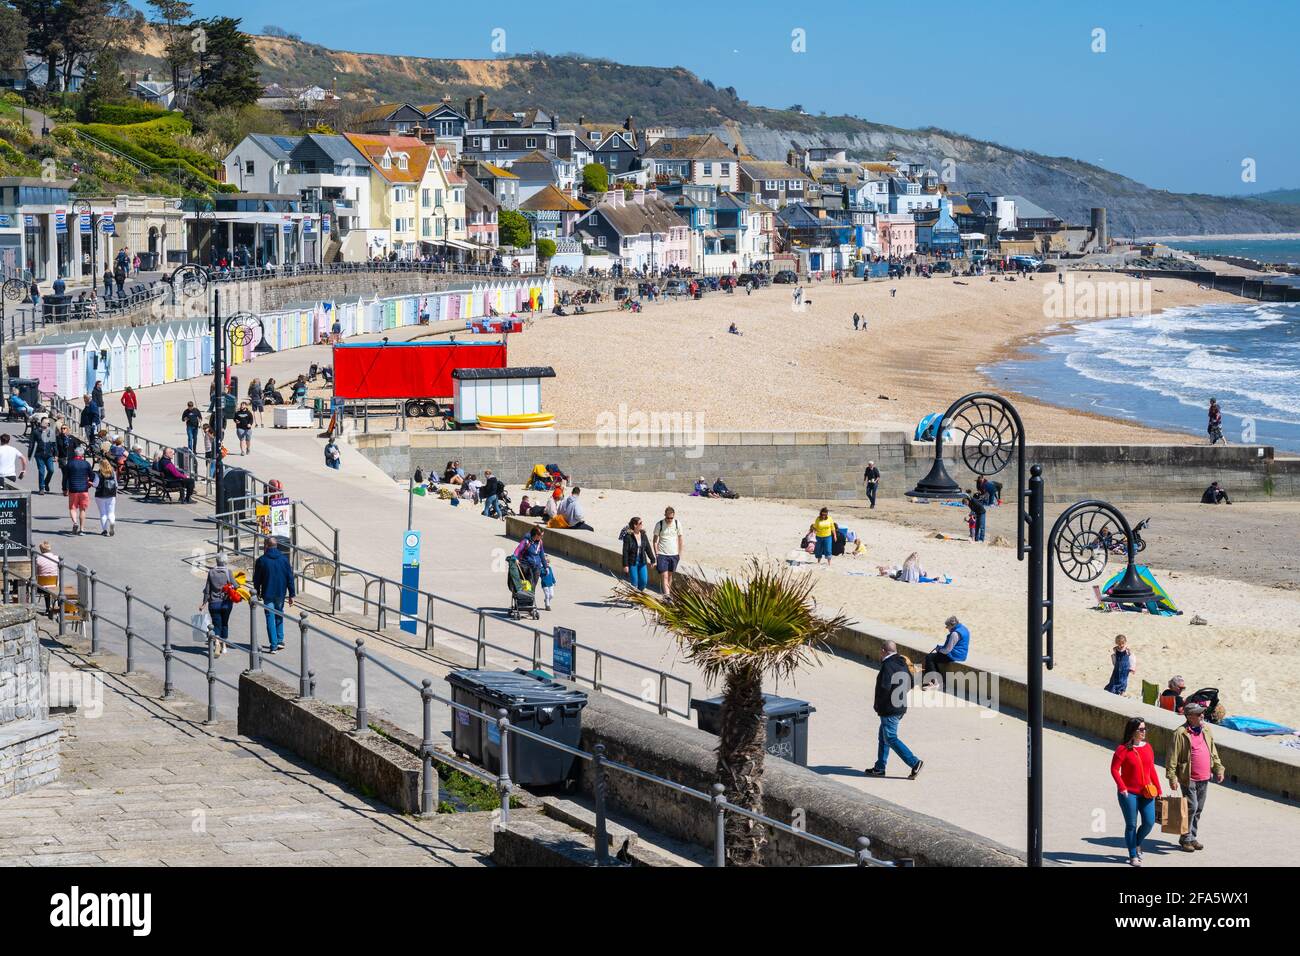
(58, 361)
(116, 362)
(159, 353)
(146, 356)
(205, 355)
(131, 361)
(169, 353)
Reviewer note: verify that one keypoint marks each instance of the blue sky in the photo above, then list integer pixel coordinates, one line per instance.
(1183, 93)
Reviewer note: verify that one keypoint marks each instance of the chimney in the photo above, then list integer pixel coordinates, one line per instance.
(627, 124)
(482, 105)
(736, 150)
(446, 97)
(582, 119)
(469, 108)
(555, 124)
(638, 196)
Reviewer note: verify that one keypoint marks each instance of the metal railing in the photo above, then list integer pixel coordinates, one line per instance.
(380, 597)
(89, 613)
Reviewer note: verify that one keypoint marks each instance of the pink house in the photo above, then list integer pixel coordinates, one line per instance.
(897, 234)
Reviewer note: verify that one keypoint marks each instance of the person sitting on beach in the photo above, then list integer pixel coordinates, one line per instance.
(451, 475)
(720, 490)
(1171, 698)
(734, 330)
(1215, 494)
(470, 488)
(702, 489)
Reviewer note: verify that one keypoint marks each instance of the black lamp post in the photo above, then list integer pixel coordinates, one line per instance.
(237, 329)
(81, 207)
(12, 290)
(991, 431)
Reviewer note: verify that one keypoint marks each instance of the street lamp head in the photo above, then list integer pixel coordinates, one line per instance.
(263, 347)
(1132, 588)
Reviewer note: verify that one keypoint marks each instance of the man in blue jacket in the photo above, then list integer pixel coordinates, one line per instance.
(273, 581)
(953, 649)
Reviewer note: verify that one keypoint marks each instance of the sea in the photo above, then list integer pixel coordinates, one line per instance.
(1264, 250)
(1161, 370)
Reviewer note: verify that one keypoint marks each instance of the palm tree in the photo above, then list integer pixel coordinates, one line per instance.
(739, 630)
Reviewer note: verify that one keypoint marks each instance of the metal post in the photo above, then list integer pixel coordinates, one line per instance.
(336, 598)
(537, 648)
(168, 687)
(719, 825)
(304, 687)
(94, 617)
(430, 789)
(480, 653)
(663, 694)
(293, 531)
(4, 558)
(363, 722)
(429, 629)
(127, 591)
(59, 596)
(254, 662)
(212, 676)
(383, 606)
(503, 778)
(595, 670)
(130, 650)
(863, 855)
(598, 789)
(1033, 519)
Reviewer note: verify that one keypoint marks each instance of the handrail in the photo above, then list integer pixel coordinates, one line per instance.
(601, 765)
(229, 525)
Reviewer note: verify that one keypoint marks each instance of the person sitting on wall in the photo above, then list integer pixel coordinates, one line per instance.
(1214, 495)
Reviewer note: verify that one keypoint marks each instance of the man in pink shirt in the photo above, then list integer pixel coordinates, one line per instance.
(1192, 760)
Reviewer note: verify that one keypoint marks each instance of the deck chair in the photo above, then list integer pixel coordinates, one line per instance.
(1150, 692)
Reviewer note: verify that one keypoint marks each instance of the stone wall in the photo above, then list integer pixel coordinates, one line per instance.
(29, 740)
(828, 465)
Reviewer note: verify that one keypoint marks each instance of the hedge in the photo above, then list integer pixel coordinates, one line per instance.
(123, 114)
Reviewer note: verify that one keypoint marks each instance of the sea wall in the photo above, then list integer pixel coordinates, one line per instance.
(828, 465)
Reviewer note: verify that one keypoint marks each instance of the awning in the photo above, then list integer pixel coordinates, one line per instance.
(462, 244)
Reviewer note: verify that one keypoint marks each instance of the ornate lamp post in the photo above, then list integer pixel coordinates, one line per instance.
(12, 290)
(991, 432)
(81, 207)
(237, 329)
(440, 212)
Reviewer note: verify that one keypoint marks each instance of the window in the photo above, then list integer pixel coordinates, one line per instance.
(248, 168)
(438, 227)
(600, 241)
(485, 142)
(794, 186)
(425, 229)
(726, 169)
(530, 142)
(502, 142)
(708, 169)
(437, 197)
(386, 162)
(593, 136)
(771, 185)
(424, 198)
(403, 127)
(401, 161)
(458, 195)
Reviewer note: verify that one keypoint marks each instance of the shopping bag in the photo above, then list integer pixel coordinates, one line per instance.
(1173, 815)
(548, 578)
(200, 623)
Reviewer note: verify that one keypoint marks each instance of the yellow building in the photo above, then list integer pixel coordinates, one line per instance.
(401, 172)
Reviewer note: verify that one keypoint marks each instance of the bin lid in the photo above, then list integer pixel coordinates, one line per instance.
(515, 688)
(773, 705)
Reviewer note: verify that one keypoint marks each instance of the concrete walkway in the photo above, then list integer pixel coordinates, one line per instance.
(974, 773)
(145, 783)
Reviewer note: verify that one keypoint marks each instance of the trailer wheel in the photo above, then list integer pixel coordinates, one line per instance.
(414, 409)
(430, 408)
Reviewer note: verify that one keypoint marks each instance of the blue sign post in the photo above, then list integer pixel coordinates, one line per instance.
(564, 651)
(410, 580)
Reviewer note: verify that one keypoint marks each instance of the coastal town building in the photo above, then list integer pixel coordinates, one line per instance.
(897, 234)
(501, 183)
(638, 231)
(614, 147)
(773, 183)
(699, 160)
(552, 213)
(481, 219)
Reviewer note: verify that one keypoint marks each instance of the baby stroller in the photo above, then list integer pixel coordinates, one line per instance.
(522, 599)
(1208, 697)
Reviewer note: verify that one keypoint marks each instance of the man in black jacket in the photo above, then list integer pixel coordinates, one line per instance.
(490, 494)
(871, 476)
(893, 681)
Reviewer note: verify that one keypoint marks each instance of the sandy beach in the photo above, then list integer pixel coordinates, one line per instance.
(1227, 565)
(924, 346)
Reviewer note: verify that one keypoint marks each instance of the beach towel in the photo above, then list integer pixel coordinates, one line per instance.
(557, 522)
(1255, 726)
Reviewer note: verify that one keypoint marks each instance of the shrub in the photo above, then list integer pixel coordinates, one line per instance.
(121, 114)
(545, 248)
(595, 178)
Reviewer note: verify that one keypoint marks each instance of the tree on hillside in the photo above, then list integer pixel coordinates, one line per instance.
(68, 34)
(228, 66)
(173, 20)
(595, 178)
(513, 228)
(13, 37)
(105, 85)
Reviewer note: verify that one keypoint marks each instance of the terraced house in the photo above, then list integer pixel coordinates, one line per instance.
(401, 167)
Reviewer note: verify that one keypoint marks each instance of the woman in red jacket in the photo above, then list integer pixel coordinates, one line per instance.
(1134, 770)
(130, 402)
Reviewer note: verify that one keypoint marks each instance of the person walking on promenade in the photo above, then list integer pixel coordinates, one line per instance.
(119, 279)
(1122, 664)
(256, 400)
(193, 420)
(1190, 763)
(637, 554)
(823, 528)
(97, 396)
(978, 513)
(667, 544)
(216, 598)
(952, 649)
(89, 419)
(104, 481)
(130, 403)
(65, 443)
(490, 493)
(13, 463)
(1134, 768)
(78, 474)
(871, 476)
(244, 428)
(273, 581)
(893, 681)
(108, 283)
(209, 449)
(45, 449)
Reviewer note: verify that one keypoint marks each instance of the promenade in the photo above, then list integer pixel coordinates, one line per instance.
(974, 772)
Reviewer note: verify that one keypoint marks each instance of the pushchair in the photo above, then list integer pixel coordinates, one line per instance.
(522, 598)
(1208, 697)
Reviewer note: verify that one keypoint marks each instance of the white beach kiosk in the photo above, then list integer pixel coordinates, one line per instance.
(501, 399)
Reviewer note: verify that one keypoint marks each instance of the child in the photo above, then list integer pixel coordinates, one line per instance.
(970, 523)
(1123, 663)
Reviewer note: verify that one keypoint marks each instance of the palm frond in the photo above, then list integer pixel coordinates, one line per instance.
(765, 618)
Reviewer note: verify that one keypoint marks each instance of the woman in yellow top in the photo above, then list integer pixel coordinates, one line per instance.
(824, 529)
